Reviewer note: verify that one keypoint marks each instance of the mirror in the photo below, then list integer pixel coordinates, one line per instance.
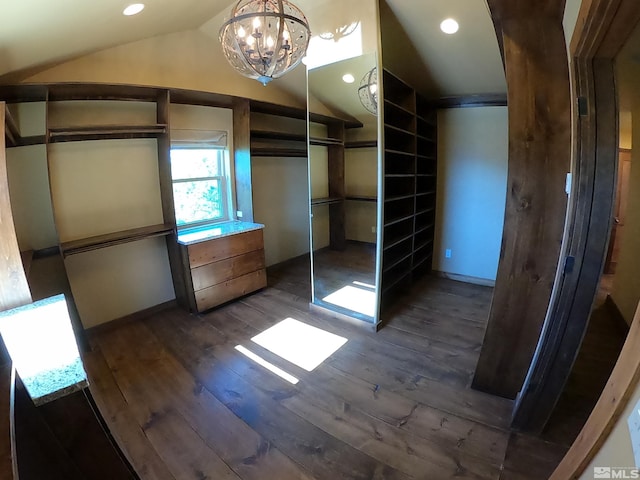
(343, 170)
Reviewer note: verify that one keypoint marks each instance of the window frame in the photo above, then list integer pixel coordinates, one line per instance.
(224, 179)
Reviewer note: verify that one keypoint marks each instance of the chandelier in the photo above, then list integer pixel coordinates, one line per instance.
(264, 39)
(368, 91)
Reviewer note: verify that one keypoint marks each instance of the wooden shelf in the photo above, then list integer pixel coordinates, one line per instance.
(115, 238)
(392, 244)
(362, 198)
(399, 130)
(398, 197)
(399, 152)
(422, 229)
(105, 132)
(398, 220)
(325, 141)
(362, 144)
(284, 136)
(278, 152)
(326, 200)
(395, 105)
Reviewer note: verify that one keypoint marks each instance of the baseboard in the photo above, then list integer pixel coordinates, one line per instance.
(133, 317)
(616, 314)
(485, 282)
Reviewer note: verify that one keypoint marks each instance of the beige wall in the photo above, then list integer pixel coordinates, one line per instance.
(188, 59)
(29, 182)
(30, 197)
(472, 182)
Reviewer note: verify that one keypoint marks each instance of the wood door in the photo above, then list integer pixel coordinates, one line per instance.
(620, 208)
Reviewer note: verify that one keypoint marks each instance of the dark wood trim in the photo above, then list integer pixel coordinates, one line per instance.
(242, 157)
(361, 144)
(30, 140)
(602, 25)
(46, 252)
(539, 157)
(466, 101)
(105, 132)
(115, 238)
(616, 315)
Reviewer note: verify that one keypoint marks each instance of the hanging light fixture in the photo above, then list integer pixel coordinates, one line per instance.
(368, 91)
(264, 39)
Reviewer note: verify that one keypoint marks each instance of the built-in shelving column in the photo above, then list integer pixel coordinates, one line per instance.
(409, 184)
(399, 182)
(426, 169)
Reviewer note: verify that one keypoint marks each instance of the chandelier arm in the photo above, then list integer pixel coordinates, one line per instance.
(281, 17)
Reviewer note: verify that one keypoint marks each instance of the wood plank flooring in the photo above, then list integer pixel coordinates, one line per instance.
(184, 403)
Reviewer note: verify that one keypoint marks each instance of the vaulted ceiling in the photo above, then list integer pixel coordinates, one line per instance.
(35, 34)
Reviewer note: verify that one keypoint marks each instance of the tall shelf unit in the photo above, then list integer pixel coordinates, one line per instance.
(410, 137)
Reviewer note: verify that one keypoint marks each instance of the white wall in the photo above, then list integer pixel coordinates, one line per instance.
(472, 179)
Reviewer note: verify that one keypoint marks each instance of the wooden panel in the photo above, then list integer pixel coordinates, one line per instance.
(225, 247)
(218, 272)
(539, 157)
(242, 157)
(15, 289)
(237, 287)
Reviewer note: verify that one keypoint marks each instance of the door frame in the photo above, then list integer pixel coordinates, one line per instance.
(601, 30)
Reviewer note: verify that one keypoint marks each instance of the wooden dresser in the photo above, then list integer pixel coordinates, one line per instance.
(222, 263)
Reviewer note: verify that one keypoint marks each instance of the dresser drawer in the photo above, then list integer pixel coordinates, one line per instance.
(225, 247)
(218, 272)
(223, 292)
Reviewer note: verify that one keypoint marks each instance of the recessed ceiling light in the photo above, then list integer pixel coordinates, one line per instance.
(348, 78)
(133, 9)
(449, 26)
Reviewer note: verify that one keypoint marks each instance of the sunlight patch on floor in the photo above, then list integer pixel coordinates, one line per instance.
(269, 366)
(299, 343)
(355, 299)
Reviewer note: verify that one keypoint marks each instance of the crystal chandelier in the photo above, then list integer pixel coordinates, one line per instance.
(368, 91)
(264, 39)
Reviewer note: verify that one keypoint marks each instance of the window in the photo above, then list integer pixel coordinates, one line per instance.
(200, 185)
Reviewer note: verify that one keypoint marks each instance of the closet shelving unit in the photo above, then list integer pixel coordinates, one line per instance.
(409, 184)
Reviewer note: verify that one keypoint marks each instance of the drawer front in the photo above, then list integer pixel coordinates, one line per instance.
(225, 247)
(226, 291)
(218, 272)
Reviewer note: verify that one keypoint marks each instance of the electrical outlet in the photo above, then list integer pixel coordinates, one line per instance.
(239, 214)
(373, 229)
(447, 253)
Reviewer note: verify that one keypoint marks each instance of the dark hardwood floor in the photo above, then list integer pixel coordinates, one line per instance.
(184, 403)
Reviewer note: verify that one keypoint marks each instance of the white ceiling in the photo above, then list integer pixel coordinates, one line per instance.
(35, 33)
